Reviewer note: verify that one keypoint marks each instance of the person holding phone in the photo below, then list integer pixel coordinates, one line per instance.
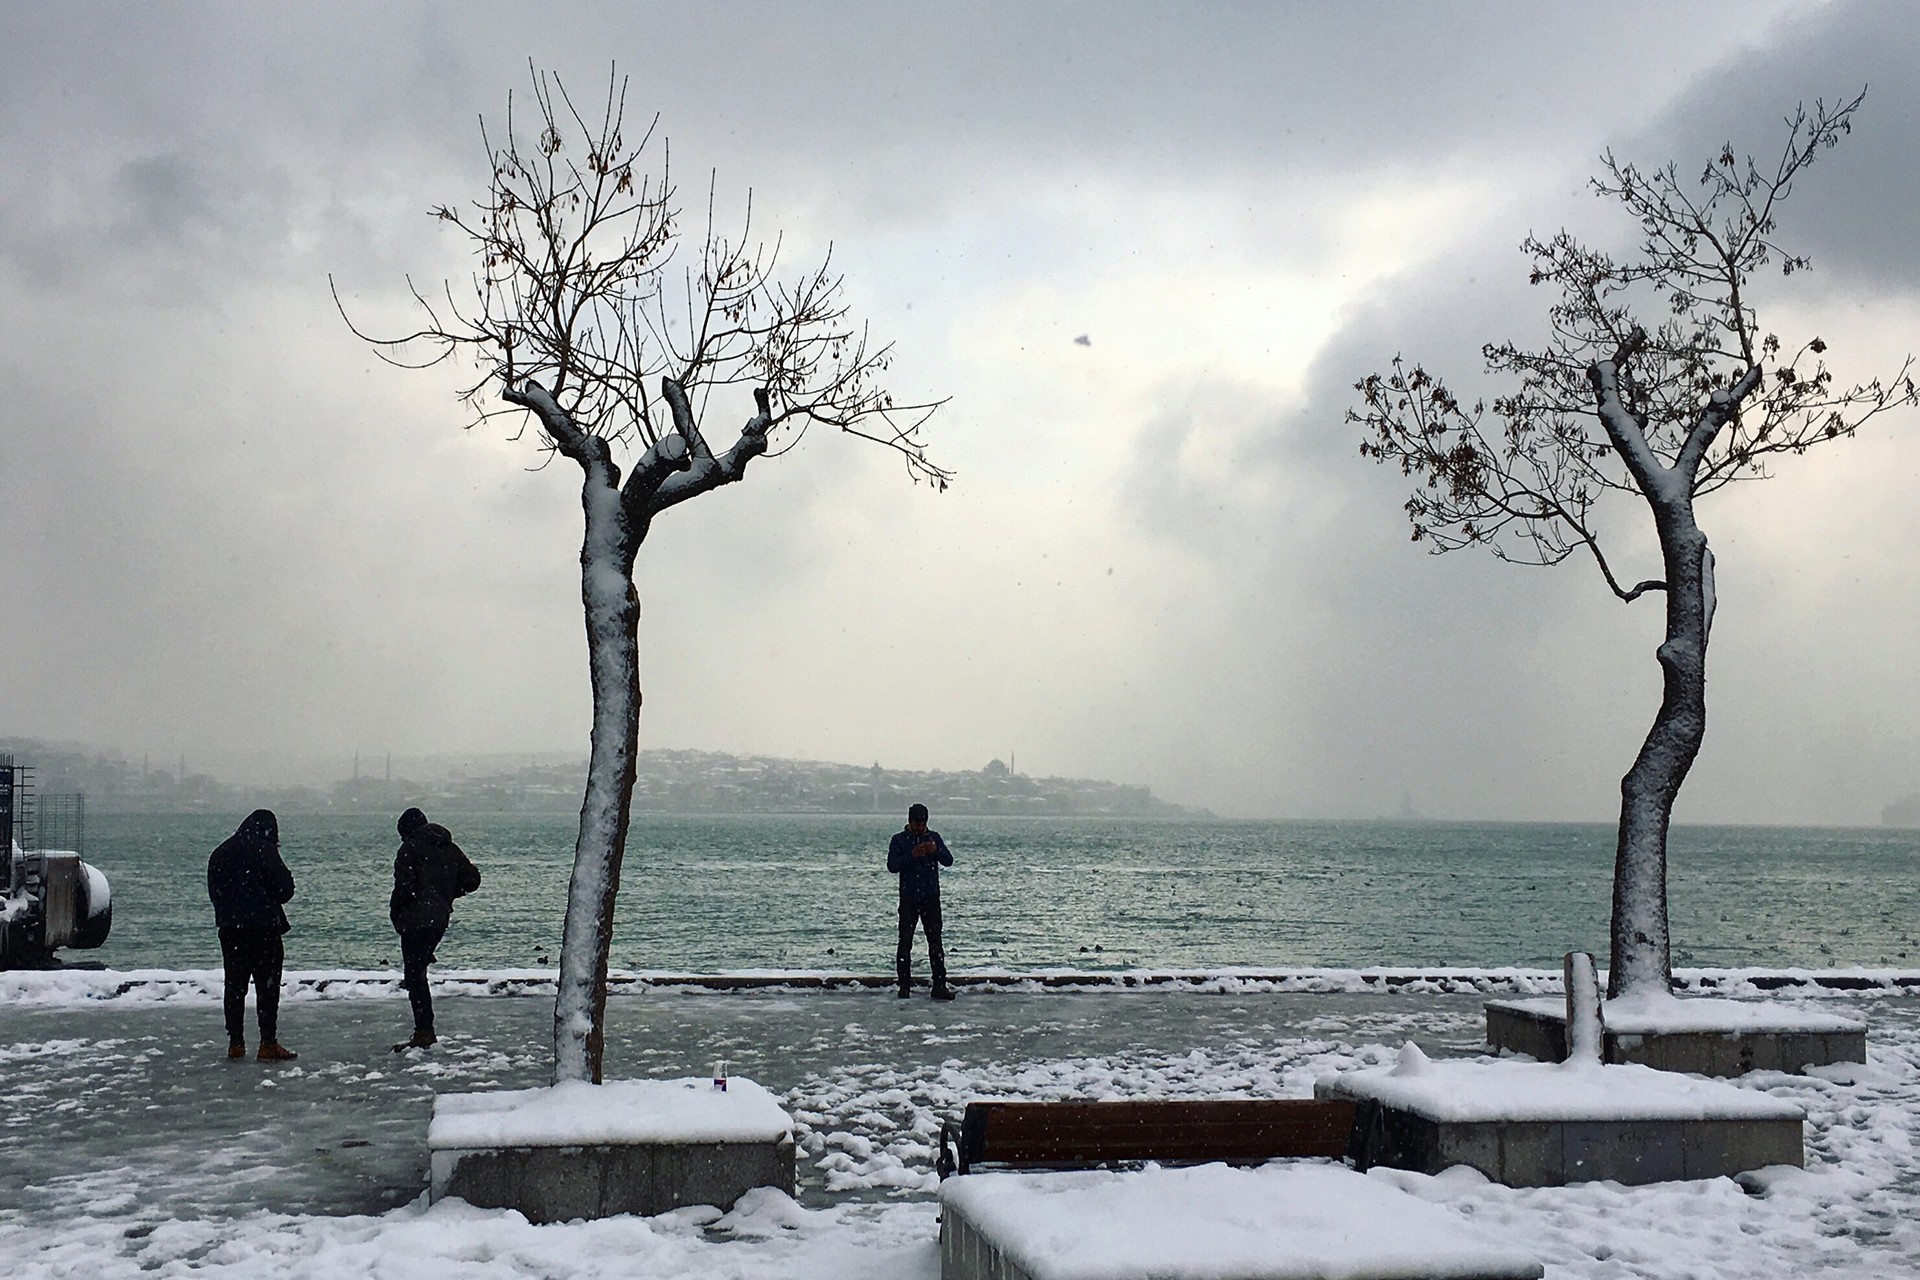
(916, 856)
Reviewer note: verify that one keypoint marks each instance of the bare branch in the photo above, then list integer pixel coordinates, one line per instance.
(1690, 399)
(584, 286)
(1722, 406)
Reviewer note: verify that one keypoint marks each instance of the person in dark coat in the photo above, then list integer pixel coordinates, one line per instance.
(429, 872)
(916, 856)
(248, 883)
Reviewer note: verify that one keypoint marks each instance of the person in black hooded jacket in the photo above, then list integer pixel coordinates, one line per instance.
(248, 883)
(429, 872)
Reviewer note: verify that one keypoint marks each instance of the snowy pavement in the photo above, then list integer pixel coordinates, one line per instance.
(130, 1145)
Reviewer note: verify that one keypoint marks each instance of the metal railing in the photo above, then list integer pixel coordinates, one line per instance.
(60, 822)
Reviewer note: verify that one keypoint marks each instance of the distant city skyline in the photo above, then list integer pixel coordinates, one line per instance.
(669, 781)
(268, 769)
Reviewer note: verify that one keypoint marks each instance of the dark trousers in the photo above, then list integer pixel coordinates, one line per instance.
(416, 953)
(926, 913)
(256, 956)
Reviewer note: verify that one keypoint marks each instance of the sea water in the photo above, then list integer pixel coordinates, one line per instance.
(712, 893)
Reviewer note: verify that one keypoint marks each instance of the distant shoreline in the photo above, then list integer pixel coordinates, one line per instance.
(245, 804)
(667, 780)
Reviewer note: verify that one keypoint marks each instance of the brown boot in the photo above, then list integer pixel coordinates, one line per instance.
(274, 1051)
(238, 1049)
(419, 1040)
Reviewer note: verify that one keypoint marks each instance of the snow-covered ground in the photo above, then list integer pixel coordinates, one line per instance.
(129, 1144)
(1704, 989)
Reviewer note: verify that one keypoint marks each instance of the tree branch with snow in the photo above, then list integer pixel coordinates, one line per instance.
(1670, 409)
(595, 318)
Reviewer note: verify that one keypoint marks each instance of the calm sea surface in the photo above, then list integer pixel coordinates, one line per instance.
(709, 893)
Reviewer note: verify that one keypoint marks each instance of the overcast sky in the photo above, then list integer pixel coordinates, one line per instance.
(227, 530)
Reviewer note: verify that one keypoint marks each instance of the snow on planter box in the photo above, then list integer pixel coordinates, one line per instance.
(1286, 1220)
(579, 1150)
(1544, 1124)
(1710, 1037)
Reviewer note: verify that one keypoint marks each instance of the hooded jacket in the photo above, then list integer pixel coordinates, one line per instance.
(429, 872)
(246, 879)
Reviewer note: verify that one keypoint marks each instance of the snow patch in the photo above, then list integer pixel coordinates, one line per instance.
(763, 1212)
(1410, 1062)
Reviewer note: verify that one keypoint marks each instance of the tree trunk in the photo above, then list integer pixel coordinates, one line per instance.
(613, 653)
(1642, 956)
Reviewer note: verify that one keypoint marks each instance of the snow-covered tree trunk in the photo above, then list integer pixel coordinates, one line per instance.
(676, 467)
(1705, 398)
(613, 654)
(616, 525)
(1641, 954)
(1641, 957)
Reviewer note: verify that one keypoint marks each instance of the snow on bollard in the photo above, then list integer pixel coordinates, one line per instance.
(1586, 1030)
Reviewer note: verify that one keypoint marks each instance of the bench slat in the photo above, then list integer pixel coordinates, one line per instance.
(1070, 1134)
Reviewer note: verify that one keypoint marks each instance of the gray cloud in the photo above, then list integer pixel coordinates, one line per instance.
(1469, 684)
(246, 536)
(1854, 211)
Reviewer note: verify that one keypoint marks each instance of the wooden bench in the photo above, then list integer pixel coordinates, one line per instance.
(1080, 1135)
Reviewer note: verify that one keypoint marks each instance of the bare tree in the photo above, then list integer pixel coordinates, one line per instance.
(582, 320)
(1671, 408)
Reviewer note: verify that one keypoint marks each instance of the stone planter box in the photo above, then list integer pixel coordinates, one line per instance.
(592, 1151)
(1531, 1124)
(1286, 1220)
(1702, 1036)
